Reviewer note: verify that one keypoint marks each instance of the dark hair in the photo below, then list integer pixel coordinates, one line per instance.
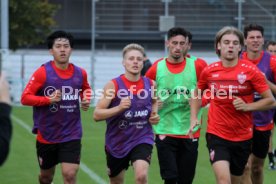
(190, 36)
(59, 34)
(270, 43)
(252, 27)
(228, 30)
(177, 31)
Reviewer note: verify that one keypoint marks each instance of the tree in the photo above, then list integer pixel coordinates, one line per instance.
(30, 21)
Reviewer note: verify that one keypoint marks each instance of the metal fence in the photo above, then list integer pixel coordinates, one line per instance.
(120, 20)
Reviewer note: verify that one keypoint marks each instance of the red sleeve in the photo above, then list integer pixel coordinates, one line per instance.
(36, 82)
(200, 64)
(273, 66)
(86, 89)
(259, 81)
(202, 83)
(115, 85)
(151, 73)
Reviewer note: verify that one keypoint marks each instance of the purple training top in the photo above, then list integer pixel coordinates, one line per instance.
(60, 122)
(131, 127)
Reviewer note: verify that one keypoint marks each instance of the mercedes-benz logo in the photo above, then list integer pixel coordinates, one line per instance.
(53, 107)
(123, 124)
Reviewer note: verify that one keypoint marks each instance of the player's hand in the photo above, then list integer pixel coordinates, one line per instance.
(159, 104)
(194, 123)
(239, 104)
(154, 118)
(85, 104)
(125, 103)
(4, 90)
(55, 96)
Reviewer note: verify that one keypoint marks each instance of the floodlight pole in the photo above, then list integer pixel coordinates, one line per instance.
(93, 32)
(240, 18)
(4, 45)
(166, 15)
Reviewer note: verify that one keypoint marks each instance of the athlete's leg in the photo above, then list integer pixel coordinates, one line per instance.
(69, 157)
(46, 175)
(119, 179)
(69, 172)
(257, 169)
(167, 148)
(270, 151)
(140, 157)
(141, 171)
(222, 172)
(187, 158)
(47, 159)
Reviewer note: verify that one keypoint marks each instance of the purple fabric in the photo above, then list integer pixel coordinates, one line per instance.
(131, 127)
(262, 118)
(60, 122)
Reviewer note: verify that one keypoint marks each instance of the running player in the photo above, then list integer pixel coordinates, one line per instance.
(54, 92)
(175, 76)
(232, 82)
(129, 109)
(263, 120)
(271, 48)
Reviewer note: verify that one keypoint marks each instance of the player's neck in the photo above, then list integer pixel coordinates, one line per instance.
(132, 77)
(229, 63)
(253, 55)
(62, 66)
(174, 60)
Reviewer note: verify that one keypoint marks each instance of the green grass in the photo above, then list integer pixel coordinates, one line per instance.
(22, 167)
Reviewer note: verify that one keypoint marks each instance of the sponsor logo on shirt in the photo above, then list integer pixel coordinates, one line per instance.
(215, 75)
(70, 97)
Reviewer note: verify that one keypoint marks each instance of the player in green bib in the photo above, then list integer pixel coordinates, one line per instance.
(176, 76)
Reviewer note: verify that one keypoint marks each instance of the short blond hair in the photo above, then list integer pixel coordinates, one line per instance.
(133, 46)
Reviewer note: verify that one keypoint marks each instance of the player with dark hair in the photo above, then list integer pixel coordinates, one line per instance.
(263, 120)
(176, 76)
(54, 91)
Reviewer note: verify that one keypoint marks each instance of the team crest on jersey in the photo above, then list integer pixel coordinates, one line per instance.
(128, 114)
(241, 78)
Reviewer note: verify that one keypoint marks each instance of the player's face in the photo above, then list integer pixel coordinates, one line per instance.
(229, 47)
(177, 45)
(272, 49)
(133, 61)
(254, 41)
(61, 50)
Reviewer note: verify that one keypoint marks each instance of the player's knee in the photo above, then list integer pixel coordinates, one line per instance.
(45, 179)
(257, 170)
(69, 175)
(141, 178)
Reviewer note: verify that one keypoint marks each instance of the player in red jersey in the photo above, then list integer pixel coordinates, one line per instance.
(232, 82)
(54, 91)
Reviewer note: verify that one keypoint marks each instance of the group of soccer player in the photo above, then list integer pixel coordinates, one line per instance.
(162, 108)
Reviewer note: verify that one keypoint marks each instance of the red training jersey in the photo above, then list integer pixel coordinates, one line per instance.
(224, 83)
